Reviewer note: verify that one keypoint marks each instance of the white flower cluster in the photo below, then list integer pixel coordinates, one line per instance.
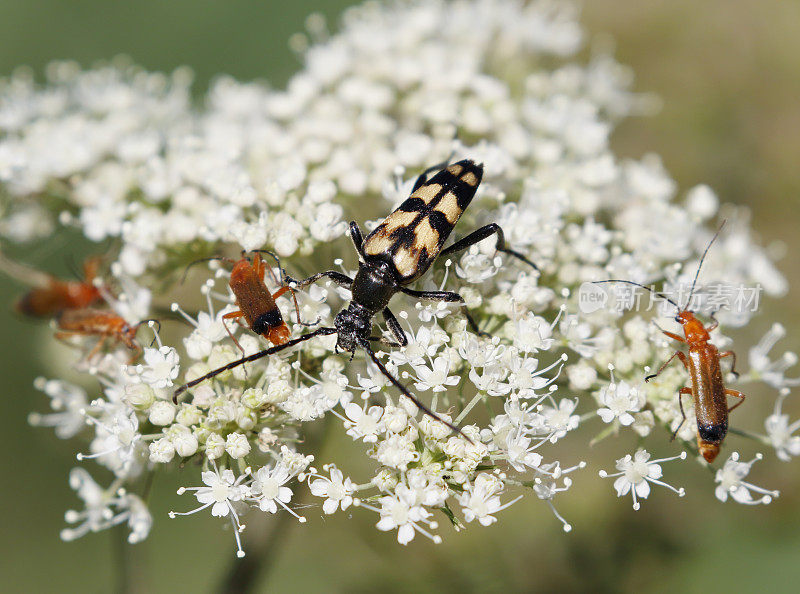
(121, 154)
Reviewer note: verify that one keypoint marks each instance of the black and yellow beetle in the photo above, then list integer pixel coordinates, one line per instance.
(392, 256)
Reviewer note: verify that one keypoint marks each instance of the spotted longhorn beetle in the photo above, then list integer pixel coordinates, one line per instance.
(393, 255)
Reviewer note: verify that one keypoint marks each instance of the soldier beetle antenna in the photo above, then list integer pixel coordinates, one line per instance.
(394, 255)
(209, 259)
(700, 265)
(662, 295)
(627, 282)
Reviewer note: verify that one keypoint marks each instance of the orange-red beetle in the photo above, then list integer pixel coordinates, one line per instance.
(99, 322)
(52, 296)
(255, 301)
(703, 364)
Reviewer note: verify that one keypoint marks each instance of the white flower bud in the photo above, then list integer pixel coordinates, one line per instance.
(139, 396)
(395, 419)
(188, 414)
(215, 446)
(237, 445)
(278, 391)
(221, 413)
(185, 443)
(162, 413)
(254, 398)
(161, 451)
(385, 480)
(245, 418)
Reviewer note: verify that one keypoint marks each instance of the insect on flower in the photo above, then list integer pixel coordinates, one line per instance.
(255, 302)
(703, 364)
(395, 254)
(49, 295)
(99, 322)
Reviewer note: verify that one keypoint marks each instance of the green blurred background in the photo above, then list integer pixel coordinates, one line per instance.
(729, 75)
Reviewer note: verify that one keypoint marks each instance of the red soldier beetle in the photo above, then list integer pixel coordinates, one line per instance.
(50, 295)
(703, 365)
(255, 301)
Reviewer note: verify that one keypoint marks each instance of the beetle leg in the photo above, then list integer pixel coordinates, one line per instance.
(358, 239)
(394, 326)
(678, 354)
(283, 290)
(730, 354)
(340, 279)
(681, 393)
(450, 297)
(669, 334)
(96, 348)
(736, 394)
(234, 315)
(713, 316)
(481, 234)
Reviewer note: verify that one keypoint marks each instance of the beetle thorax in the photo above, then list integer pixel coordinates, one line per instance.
(693, 328)
(373, 286)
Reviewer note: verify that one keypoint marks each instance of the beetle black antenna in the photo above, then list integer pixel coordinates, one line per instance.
(254, 357)
(147, 321)
(702, 259)
(628, 282)
(366, 346)
(277, 261)
(211, 259)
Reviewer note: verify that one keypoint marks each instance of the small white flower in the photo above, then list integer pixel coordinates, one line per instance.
(482, 500)
(221, 491)
(268, 491)
(637, 472)
(561, 419)
(619, 400)
(161, 366)
(436, 377)
(768, 371)
(400, 512)
(364, 424)
(100, 509)
(730, 478)
(69, 404)
(397, 451)
(781, 433)
(338, 490)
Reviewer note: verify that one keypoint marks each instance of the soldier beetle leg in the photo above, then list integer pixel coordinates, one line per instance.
(682, 392)
(678, 354)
